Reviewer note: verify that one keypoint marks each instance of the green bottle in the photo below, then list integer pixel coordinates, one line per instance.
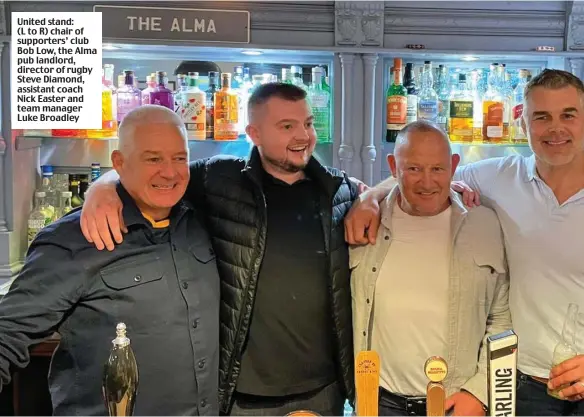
(397, 103)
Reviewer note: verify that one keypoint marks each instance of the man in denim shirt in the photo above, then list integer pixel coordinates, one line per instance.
(162, 282)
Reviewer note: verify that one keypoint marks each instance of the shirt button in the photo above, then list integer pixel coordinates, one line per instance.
(203, 403)
(185, 285)
(386, 237)
(364, 333)
(368, 301)
(196, 323)
(201, 364)
(374, 269)
(211, 252)
(137, 278)
(174, 247)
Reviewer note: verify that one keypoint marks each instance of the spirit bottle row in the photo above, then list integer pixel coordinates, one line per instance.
(461, 108)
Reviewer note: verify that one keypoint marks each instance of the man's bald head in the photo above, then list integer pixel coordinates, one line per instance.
(142, 120)
(421, 130)
(423, 165)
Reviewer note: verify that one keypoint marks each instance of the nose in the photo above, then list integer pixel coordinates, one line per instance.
(427, 180)
(303, 133)
(167, 170)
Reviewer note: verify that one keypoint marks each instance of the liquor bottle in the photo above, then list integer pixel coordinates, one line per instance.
(48, 187)
(210, 103)
(129, 97)
(320, 103)
(74, 183)
(178, 94)
(297, 80)
(109, 124)
(226, 109)
(566, 347)
(410, 85)
(517, 133)
(64, 205)
(397, 103)
(193, 111)
(83, 185)
(504, 79)
(95, 171)
(287, 77)
(39, 133)
(161, 95)
(493, 109)
(477, 120)
(443, 91)
(428, 101)
(39, 217)
(237, 80)
(325, 85)
(120, 376)
(460, 120)
(150, 84)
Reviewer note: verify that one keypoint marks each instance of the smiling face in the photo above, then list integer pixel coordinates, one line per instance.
(423, 167)
(153, 167)
(553, 119)
(284, 133)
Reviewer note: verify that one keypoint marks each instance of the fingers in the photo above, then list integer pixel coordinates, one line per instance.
(85, 229)
(573, 392)
(567, 377)
(113, 220)
(122, 223)
(373, 228)
(449, 403)
(349, 238)
(94, 234)
(566, 366)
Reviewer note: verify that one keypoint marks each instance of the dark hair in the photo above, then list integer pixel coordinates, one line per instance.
(554, 79)
(264, 92)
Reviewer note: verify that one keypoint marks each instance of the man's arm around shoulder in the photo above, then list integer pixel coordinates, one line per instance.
(47, 287)
(499, 317)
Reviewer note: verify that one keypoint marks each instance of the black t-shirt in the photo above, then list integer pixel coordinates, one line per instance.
(290, 341)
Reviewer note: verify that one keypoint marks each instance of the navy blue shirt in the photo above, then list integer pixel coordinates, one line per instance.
(161, 282)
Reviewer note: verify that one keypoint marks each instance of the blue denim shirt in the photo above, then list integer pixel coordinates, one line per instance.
(162, 283)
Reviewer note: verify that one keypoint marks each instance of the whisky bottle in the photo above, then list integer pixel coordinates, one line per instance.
(120, 376)
(397, 103)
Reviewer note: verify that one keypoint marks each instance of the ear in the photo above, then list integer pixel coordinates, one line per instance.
(118, 161)
(392, 165)
(253, 134)
(523, 124)
(455, 162)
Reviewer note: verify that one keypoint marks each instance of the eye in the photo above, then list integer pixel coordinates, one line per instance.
(287, 127)
(568, 116)
(438, 169)
(309, 124)
(180, 159)
(153, 159)
(413, 169)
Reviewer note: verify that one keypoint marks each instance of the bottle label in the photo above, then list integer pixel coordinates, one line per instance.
(517, 111)
(412, 108)
(461, 109)
(193, 113)
(428, 110)
(319, 100)
(493, 119)
(397, 110)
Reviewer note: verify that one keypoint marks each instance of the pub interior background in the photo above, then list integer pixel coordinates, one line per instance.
(354, 43)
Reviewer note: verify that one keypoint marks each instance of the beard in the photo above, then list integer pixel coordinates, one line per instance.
(285, 165)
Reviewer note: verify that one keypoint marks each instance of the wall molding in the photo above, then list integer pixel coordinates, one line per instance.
(478, 22)
(575, 31)
(359, 23)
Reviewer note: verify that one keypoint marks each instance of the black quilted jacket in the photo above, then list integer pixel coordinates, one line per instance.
(230, 191)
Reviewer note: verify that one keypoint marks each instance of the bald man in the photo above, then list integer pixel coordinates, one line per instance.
(436, 266)
(162, 282)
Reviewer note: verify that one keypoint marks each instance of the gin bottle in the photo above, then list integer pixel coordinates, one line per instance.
(428, 102)
(320, 103)
(161, 95)
(193, 110)
(39, 217)
(210, 103)
(129, 97)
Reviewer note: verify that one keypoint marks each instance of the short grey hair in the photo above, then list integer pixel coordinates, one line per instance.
(554, 79)
(148, 113)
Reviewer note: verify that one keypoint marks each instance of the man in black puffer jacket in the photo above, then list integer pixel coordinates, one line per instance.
(276, 224)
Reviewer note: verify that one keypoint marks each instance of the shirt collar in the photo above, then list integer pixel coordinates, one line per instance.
(530, 168)
(458, 208)
(133, 216)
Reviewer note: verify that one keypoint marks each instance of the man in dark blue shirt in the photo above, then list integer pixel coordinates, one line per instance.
(162, 282)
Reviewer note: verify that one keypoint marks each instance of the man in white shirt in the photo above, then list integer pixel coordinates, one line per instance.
(434, 284)
(540, 203)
